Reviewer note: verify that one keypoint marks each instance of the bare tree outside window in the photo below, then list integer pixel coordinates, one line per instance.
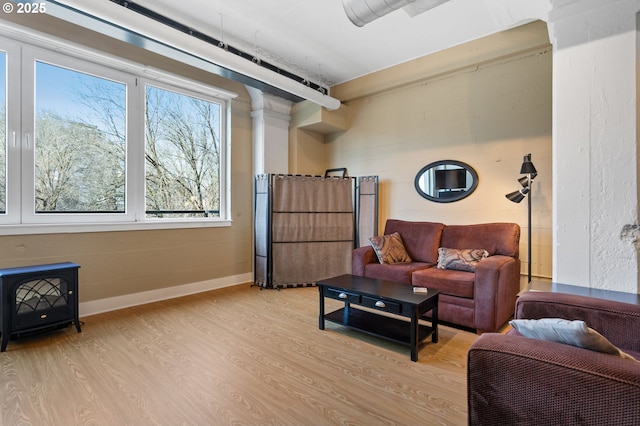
(182, 155)
(80, 143)
(80, 159)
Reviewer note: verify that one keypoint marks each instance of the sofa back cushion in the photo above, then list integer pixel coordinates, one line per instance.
(421, 239)
(496, 238)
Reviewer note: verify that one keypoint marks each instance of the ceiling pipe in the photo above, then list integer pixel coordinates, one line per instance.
(361, 12)
(113, 20)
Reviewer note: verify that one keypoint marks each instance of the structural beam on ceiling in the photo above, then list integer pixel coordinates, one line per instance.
(116, 21)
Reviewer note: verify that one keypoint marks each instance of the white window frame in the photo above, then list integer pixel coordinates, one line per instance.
(29, 57)
(196, 91)
(13, 138)
(22, 219)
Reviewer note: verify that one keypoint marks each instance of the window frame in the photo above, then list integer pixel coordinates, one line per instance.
(23, 219)
(187, 89)
(30, 56)
(12, 137)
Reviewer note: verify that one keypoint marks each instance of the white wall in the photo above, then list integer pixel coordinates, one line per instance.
(595, 83)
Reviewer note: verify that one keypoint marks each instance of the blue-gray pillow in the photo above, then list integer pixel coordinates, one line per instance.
(574, 333)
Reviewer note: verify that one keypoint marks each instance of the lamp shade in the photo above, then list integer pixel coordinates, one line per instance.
(527, 166)
(517, 196)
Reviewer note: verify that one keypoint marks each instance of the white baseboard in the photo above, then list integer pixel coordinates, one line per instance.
(120, 302)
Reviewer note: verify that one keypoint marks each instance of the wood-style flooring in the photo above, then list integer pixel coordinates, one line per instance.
(234, 356)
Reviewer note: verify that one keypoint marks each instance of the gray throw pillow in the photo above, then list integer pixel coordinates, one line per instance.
(574, 333)
(460, 259)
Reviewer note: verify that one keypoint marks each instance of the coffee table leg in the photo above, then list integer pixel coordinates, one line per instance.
(321, 317)
(434, 321)
(414, 336)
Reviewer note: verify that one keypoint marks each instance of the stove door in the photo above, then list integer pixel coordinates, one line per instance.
(40, 301)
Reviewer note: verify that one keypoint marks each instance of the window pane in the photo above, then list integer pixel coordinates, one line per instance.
(79, 142)
(182, 155)
(3, 132)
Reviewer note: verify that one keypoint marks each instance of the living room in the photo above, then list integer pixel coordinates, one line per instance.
(486, 103)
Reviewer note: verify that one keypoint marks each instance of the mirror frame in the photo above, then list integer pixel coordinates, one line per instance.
(463, 194)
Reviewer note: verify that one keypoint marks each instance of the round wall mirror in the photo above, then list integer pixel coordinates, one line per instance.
(446, 181)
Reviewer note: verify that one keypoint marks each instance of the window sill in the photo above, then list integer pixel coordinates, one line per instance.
(68, 228)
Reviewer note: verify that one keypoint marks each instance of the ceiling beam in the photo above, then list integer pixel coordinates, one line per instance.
(114, 20)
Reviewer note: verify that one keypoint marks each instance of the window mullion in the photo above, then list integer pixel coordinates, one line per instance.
(27, 175)
(135, 151)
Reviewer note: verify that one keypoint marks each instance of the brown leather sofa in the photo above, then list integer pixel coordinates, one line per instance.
(514, 380)
(481, 300)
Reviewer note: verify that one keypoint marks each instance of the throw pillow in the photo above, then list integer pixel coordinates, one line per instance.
(574, 333)
(462, 260)
(390, 249)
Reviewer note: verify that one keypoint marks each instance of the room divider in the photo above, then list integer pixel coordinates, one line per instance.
(306, 227)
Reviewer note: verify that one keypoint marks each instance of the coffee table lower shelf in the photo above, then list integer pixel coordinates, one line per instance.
(389, 328)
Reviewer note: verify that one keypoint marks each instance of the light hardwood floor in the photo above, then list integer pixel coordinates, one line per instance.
(240, 356)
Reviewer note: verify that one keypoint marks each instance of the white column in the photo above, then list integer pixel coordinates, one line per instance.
(595, 154)
(271, 116)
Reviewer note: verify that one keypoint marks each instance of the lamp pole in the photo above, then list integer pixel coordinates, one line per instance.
(530, 171)
(529, 226)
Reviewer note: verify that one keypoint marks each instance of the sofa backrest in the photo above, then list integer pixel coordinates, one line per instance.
(421, 239)
(496, 238)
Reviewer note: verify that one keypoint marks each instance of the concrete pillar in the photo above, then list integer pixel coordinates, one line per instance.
(271, 116)
(595, 153)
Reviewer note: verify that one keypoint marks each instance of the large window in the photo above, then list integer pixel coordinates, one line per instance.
(86, 143)
(182, 155)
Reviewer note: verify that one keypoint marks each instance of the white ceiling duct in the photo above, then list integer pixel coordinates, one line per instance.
(362, 12)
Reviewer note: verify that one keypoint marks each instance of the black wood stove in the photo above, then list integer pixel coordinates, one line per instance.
(38, 298)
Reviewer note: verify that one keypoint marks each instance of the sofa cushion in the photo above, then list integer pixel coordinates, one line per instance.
(399, 272)
(460, 259)
(451, 282)
(496, 238)
(421, 239)
(390, 249)
(574, 333)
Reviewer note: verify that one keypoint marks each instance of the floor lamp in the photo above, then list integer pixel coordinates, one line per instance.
(530, 171)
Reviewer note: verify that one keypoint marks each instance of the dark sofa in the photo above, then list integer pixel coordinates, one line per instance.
(482, 300)
(515, 380)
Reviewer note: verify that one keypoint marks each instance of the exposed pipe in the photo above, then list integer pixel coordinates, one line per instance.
(362, 12)
(113, 20)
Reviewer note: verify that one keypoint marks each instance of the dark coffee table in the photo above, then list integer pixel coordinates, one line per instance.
(385, 296)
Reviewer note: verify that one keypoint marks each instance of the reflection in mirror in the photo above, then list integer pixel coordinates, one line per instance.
(446, 181)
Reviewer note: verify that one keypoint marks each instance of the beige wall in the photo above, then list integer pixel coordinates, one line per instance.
(487, 114)
(121, 263)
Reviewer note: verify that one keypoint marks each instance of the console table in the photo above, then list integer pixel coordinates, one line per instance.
(553, 287)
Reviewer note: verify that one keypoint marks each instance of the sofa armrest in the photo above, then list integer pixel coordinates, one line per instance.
(497, 283)
(515, 380)
(360, 257)
(618, 322)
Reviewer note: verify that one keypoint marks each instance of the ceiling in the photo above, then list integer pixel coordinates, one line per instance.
(316, 40)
